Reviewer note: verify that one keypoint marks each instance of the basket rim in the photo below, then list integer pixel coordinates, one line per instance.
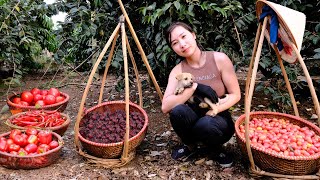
(65, 123)
(59, 139)
(10, 103)
(117, 143)
(241, 119)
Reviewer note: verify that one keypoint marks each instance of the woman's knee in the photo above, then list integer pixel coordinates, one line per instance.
(182, 114)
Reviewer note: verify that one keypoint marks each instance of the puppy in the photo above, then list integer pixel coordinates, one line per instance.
(185, 80)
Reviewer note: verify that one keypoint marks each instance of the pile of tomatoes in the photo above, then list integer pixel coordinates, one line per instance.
(39, 97)
(282, 137)
(30, 142)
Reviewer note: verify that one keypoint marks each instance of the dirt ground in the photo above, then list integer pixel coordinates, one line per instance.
(152, 160)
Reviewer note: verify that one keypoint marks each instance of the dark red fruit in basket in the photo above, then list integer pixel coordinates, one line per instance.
(42, 148)
(31, 148)
(16, 100)
(44, 137)
(3, 145)
(109, 127)
(35, 91)
(53, 144)
(30, 131)
(54, 91)
(27, 96)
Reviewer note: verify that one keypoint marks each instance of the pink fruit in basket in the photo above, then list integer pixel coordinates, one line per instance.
(40, 103)
(53, 144)
(32, 139)
(59, 99)
(31, 148)
(42, 148)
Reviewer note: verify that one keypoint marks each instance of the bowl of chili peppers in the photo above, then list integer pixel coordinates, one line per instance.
(55, 121)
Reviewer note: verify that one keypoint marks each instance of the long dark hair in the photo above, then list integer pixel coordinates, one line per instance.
(174, 25)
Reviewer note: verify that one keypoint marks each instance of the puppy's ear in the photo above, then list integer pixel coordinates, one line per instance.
(179, 76)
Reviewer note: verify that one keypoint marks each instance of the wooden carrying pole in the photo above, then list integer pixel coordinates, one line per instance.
(126, 155)
(252, 72)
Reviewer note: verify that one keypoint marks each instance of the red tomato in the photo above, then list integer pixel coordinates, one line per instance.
(37, 97)
(32, 139)
(44, 137)
(20, 140)
(35, 91)
(3, 145)
(22, 152)
(42, 148)
(13, 147)
(54, 91)
(16, 100)
(44, 92)
(14, 132)
(9, 141)
(31, 130)
(50, 99)
(31, 148)
(59, 99)
(53, 144)
(27, 96)
(40, 103)
(23, 103)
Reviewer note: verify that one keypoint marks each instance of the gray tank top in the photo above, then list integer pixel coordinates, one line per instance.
(208, 74)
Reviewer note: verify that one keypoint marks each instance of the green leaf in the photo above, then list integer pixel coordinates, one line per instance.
(177, 5)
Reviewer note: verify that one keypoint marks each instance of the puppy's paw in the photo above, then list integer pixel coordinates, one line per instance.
(211, 113)
(179, 91)
(203, 105)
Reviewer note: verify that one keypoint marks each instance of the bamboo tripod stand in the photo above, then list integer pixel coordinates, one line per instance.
(251, 76)
(126, 155)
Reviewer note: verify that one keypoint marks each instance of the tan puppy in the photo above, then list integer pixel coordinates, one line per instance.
(185, 80)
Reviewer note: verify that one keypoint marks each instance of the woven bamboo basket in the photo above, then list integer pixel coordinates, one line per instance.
(17, 108)
(274, 162)
(57, 129)
(114, 150)
(11, 161)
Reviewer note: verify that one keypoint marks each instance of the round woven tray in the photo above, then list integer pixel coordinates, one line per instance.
(274, 162)
(57, 129)
(17, 108)
(31, 161)
(114, 150)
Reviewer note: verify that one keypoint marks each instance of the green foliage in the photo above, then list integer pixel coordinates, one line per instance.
(25, 31)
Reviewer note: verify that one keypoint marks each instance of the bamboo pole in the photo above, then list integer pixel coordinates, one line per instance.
(143, 56)
(107, 68)
(85, 93)
(285, 76)
(136, 73)
(250, 92)
(126, 76)
(310, 84)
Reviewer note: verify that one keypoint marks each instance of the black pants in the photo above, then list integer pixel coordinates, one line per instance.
(193, 126)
